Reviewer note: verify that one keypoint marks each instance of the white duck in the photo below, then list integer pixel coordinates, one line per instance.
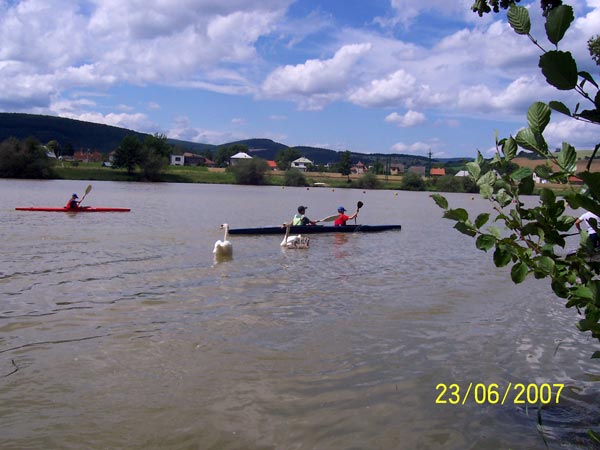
(224, 248)
(297, 241)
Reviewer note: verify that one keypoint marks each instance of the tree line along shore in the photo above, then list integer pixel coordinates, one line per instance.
(148, 160)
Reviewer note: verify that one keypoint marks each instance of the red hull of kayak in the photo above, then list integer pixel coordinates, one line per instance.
(78, 210)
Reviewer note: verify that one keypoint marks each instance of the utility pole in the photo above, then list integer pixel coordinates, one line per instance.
(429, 164)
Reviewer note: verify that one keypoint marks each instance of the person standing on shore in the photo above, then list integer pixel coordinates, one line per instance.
(593, 238)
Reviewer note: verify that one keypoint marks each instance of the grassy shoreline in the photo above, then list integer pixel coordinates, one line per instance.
(203, 175)
(189, 174)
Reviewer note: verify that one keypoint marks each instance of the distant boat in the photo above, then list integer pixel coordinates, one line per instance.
(316, 229)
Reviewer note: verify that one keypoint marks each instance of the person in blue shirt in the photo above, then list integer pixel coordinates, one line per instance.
(73, 203)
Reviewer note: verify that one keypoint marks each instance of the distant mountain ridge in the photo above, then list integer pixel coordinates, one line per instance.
(105, 138)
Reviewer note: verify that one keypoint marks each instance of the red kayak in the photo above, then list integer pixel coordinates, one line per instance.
(77, 210)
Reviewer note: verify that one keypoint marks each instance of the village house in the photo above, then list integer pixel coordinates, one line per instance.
(358, 169)
(435, 172)
(419, 170)
(396, 169)
(190, 159)
(177, 160)
(301, 164)
(241, 156)
(87, 156)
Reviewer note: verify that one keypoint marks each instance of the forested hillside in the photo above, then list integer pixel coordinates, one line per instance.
(76, 134)
(69, 133)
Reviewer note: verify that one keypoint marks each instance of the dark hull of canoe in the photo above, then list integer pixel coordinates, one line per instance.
(316, 229)
(58, 209)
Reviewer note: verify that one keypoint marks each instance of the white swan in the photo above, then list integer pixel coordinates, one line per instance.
(297, 241)
(224, 248)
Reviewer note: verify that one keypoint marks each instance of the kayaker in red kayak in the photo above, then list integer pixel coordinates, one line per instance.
(73, 203)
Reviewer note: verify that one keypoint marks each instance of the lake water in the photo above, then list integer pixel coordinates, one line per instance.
(121, 331)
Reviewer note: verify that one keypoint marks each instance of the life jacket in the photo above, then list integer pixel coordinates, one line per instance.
(298, 219)
(72, 204)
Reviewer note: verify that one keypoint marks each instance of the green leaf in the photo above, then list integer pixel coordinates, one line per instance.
(501, 257)
(482, 219)
(485, 242)
(487, 178)
(474, 169)
(531, 140)
(583, 292)
(592, 180)
(565, 223)
(509, 148)
(538, 116)
(518, 272)
(583, 325)
(546, 264)
(593, 115)
(458, 214)
(557, 22)
(503, 198)
(495, 231)
(440, 201)
(465, 229)
(559, 288)
(548, 196)
(543, 171)
(486, 191)
(479, 160)
(520, 173)
(526, 186)
(567, 158)
(559, 107)
(587, 77)
(518, 18)
(560, 69)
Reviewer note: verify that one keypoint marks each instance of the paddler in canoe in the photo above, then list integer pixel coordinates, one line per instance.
(73, 202)
(301, 219)
(343, 218)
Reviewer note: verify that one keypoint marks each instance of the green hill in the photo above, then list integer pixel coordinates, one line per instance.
(78, 134)
(68, 132)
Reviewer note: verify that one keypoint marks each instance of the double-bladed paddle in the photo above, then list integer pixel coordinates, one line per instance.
(329, 218)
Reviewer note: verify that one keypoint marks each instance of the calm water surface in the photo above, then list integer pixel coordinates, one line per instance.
(120, 331)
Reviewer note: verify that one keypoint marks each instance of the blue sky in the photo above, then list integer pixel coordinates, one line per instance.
(386, 76)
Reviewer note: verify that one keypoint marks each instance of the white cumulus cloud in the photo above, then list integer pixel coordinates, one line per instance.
(315, 82)
(410, 119)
